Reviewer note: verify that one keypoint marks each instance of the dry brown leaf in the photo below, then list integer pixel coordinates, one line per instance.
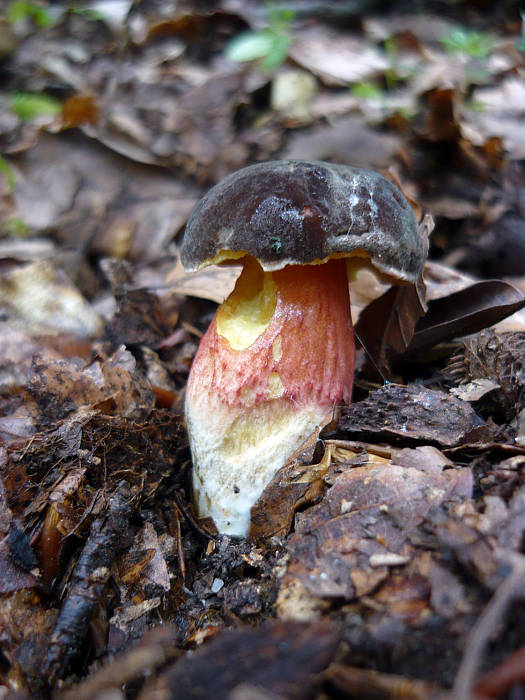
(467, 311)
(13, 577)
(502, 115)
(338, 59)
(372, 685)
(345, 140)
(260, 663)
(41, 299)
(61, 387)
(411, 412)
(345, 545)
(475, 390)
(213, 282)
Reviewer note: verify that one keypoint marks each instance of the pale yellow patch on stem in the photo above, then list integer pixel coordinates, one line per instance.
(248, 311)
(275, 386)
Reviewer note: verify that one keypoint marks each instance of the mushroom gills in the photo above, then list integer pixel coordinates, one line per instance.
(276, 359)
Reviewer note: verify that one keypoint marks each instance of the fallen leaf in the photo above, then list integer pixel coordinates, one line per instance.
(387, 324)
(345, 140)
(283, 659)
(54, 189)
(411, 412)
(467, 311)
(139, 318)
(292, 487)
(60, 387)
(12, 577)
(131, 612)
(157, 646)
(41, 298)
(26, 623)
(475, 390)
(144, 565)
(79, 109)
(502, 115)
(366, 684)
(338, 59)
(344, 546)
(213, 282)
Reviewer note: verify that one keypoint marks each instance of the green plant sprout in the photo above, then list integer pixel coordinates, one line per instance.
(15, 228)
(28, 105)
(367, 90)
(475, 105)
(392, 73)
(469, 43)
(269, 45)
(7, 171)
(22, 10)
(88, 13)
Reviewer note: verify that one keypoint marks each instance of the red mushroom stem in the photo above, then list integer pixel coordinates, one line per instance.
(277, 358)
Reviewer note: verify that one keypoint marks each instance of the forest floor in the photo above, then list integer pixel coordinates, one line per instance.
(387, 561)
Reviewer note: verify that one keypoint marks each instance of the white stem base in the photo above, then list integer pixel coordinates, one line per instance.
(224, 446)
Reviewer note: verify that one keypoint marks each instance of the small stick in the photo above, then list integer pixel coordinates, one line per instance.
(512, 587)
(90, 575)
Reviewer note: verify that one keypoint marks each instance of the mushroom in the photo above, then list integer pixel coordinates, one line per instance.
(279, 354)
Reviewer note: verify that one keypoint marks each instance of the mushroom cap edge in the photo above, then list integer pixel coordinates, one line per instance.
(294, 212)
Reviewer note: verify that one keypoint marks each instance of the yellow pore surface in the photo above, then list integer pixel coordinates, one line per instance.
(247, 312)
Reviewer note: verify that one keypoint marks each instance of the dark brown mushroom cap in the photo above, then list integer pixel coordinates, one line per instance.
(289, 212)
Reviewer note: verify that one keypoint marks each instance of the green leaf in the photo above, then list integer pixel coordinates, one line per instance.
(269, 45)
(249, 46)
(7, 172)
(87, 13)
(278, 52)
(475, 105)
(28, 105)
(366, 91)
(15, 227)
(468, 42)
(279, 18)
(22, 10)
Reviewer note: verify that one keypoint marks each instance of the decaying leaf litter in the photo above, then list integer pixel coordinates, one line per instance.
(384, 560)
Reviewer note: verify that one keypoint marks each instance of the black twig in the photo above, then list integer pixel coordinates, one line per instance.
(106, 539)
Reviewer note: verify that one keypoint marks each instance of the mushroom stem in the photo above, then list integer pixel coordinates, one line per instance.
(276, 359)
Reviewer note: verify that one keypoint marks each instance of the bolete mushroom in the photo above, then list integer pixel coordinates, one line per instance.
(279, 354)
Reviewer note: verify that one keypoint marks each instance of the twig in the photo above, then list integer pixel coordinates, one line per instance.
(512, 587)
(106, 539)
(156, 648)
(502, 677)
